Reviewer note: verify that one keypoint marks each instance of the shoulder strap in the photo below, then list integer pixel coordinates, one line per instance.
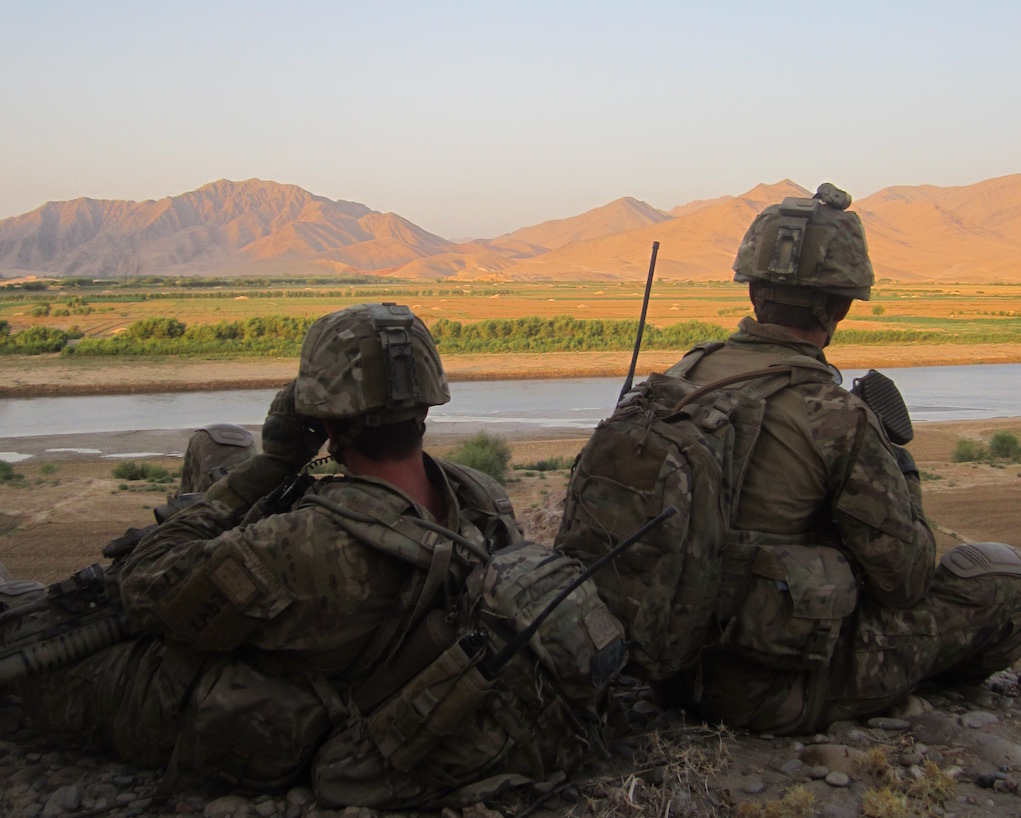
(427, 546)
(693, 356)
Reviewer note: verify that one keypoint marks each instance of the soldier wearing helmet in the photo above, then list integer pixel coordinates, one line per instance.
(266, 624)
(837, 606)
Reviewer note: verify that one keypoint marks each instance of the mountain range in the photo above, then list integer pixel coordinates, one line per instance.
(915, 233)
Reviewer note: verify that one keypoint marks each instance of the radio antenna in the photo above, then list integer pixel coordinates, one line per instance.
(641, 323)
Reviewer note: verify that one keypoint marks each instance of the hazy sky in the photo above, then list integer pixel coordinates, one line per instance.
(476, 118)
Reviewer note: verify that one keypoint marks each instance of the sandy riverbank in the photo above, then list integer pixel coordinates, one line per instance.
(34, 376)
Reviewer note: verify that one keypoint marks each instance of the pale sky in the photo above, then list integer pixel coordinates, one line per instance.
(475, 118)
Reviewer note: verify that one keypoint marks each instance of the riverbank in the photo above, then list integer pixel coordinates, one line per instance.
(53, 375)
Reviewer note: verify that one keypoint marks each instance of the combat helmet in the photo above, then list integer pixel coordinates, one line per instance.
(815, 244)
(369, 365)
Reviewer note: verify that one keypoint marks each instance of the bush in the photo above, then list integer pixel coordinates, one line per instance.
(1005, 445)
(968, 451)
(547, 464)
(130, 470)
(487, 453)
(7, 472)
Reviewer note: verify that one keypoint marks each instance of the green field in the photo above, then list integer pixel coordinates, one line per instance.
(262, 316)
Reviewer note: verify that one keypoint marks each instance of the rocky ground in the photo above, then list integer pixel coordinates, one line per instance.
(944, 752)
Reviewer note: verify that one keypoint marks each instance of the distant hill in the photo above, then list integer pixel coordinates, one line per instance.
(221, 228)
(923, 233)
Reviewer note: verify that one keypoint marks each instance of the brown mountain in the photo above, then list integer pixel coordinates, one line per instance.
(925, 233)
(221, 228)
(618, 216)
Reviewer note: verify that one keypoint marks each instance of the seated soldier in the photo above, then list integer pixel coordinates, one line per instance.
(358, 622)
(799, 584)
(823, 473)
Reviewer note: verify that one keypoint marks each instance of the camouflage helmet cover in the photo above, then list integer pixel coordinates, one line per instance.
(811, 243)
(376, 363)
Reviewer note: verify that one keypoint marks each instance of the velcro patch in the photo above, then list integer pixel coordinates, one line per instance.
(234, 582)
(603, 627)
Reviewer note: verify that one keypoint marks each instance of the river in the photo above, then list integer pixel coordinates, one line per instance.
(516, 408)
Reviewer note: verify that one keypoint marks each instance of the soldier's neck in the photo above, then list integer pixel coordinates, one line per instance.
(406, 473)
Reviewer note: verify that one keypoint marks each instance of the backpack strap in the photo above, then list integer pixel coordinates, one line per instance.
(427, 546)
(693, 356)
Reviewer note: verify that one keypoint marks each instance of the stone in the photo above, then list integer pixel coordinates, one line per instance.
(887, 723)
(838, 779)
(835, 757)
(998, 751)
(977, 719)
(227, 806)
(936, 727)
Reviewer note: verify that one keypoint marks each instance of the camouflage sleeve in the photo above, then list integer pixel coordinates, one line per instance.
(881, 526)
(199, 579)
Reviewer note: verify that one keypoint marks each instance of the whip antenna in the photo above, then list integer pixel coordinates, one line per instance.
(641, 323)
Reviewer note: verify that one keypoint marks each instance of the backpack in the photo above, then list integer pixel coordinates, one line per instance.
(670, 441)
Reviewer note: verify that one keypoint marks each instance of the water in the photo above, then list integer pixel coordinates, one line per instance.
(931, 393)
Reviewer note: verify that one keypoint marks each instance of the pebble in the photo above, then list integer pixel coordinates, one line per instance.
(838, 779)
(793, 767)
(887, 723)
(977, 719)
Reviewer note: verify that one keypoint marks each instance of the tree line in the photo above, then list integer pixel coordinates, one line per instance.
(281, 336)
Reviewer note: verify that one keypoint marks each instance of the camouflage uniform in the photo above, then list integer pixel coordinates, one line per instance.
(351, 626)
(305, 607)
(212, 452)
(823, 474)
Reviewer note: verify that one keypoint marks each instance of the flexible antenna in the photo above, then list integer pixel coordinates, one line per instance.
(641, 323)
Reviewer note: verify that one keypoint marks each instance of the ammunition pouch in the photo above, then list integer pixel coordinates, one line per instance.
(433, 707)
(794, 606)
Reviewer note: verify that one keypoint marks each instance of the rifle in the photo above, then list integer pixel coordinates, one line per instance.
(641, 323)
(74, 618)
(83, 614)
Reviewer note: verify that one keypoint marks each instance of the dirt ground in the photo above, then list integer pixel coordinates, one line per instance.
(59, 514)
(36, 375)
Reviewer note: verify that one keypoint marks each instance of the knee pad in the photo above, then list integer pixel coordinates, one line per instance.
(982, 558)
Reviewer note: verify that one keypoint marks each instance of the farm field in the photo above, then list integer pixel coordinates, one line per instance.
(903, 325)
(101, 309)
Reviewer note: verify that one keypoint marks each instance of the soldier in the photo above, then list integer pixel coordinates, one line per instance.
(212, 452)
(853, 622)
(349, 624)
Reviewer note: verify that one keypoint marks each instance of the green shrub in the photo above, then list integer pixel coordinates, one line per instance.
(485, 452)
(548, 464)
(7, 472)
(1005, 445)
(130, 470)
(968, 451)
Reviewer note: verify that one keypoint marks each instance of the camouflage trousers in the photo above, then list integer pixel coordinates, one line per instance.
(245, 718)
(963, 630)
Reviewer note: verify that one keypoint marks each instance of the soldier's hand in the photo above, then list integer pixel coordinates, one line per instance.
(286, 435)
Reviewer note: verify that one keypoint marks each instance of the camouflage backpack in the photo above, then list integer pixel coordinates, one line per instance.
(669, 441)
